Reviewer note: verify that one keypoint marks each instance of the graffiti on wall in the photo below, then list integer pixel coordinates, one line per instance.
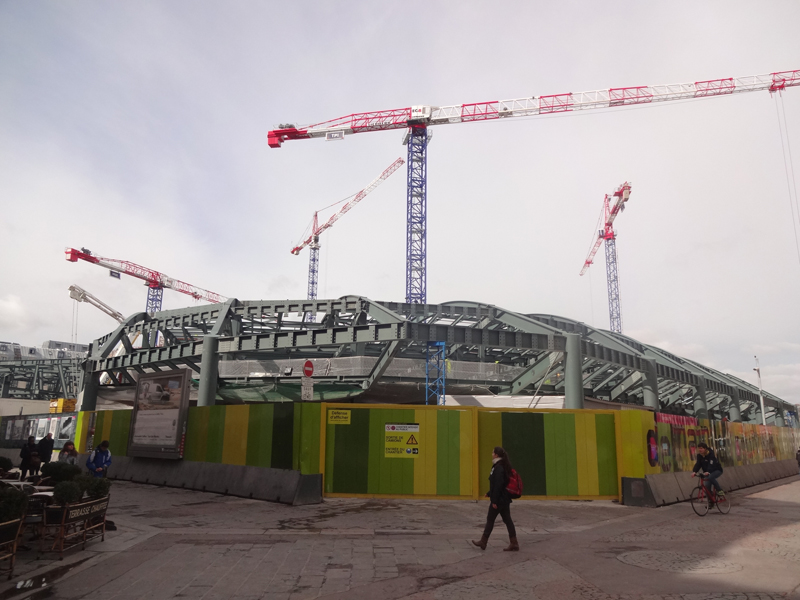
(672, 444)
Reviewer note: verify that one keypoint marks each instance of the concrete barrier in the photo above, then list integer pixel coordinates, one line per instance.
(669, 488)
(746, 476)
(729, 480)
(277, 485)
(687, 483)
(665, 489)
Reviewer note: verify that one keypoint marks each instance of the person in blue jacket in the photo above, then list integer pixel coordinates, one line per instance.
(99, 460)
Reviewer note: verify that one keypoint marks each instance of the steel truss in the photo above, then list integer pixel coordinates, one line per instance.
(40, 379)
(435, 373)
(488, 350)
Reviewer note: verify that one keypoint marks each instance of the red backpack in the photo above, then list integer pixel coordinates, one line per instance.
(514, 486)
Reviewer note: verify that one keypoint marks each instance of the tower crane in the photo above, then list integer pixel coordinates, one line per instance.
(418, 118)
(607, 235)
(81, 295)
(316, 229)
(155, 281)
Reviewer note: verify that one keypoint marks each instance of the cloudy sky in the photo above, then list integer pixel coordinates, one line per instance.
(138, 130)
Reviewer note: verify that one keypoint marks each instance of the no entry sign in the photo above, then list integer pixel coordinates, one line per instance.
(308, 368)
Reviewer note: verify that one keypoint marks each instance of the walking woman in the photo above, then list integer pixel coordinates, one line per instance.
(500, 500)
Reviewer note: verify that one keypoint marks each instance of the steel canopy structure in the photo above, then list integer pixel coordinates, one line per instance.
(243, 351)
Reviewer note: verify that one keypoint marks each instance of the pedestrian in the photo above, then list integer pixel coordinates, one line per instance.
(99, 460)
(499, 500)
(797, 456)
(45, 448)
(30, 459)
(68, 454)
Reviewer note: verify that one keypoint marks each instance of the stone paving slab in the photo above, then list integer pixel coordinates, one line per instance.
(178, 544)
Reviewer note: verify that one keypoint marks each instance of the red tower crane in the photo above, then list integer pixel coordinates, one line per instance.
(418, 118)
(155, 281)
(316, 229)
(607, 235)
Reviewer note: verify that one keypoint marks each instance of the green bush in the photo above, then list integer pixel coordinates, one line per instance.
(6, 464)
(58, 471)
(67, 492)
(84, 482)
(99, 487)
(13, 503)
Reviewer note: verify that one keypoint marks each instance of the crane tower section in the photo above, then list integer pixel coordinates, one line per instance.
(609, 236)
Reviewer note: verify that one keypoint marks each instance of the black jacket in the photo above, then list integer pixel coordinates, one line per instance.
(797, 456)
(498, 482)
(708, 463)
(27, 452)
(45, 447)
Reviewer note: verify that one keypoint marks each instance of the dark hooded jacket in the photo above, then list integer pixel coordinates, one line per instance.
(708, 463)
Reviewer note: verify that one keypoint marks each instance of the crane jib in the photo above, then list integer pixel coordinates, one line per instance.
(384, 120)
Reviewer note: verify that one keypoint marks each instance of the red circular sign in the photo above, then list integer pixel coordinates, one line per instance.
(308, 368)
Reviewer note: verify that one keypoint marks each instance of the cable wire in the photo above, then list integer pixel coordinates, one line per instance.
(788, 183)
(791, 160)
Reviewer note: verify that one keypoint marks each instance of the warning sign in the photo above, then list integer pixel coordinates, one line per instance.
(401, 440)
(338, 417)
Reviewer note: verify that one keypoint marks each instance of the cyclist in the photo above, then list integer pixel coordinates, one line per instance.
(708, 464)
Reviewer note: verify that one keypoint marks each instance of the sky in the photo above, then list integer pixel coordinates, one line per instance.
(139, 131)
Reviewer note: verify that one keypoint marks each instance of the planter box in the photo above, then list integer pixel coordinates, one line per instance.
(71, 525)
(9, 536)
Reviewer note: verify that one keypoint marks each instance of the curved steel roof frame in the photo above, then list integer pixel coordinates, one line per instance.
(529, 349)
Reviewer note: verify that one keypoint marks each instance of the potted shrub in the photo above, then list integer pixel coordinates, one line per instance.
(98, 487)
(58, 472)
(67, 492)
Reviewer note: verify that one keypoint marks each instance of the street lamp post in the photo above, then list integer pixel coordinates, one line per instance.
(760, 393)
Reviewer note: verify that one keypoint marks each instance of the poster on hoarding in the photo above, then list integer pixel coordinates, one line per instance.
(41, 430)
(66, 428)
(159, 414)
(19, 429)
(53, 428)
(9, 429)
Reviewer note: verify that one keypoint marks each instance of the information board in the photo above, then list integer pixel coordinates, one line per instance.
(159, 414)
(402, 440)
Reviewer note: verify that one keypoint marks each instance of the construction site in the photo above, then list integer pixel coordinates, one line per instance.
(356, 349)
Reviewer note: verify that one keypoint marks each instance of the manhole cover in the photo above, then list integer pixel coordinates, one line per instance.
(664, 560)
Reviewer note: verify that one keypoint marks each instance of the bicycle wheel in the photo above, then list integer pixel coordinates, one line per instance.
(724, 504)
(699, 501)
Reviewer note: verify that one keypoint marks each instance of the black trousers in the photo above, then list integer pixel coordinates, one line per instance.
(504, 510)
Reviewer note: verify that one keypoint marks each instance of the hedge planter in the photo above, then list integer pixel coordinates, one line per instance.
(71, 525)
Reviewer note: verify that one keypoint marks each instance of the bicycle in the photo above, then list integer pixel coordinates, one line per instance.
(701, 500)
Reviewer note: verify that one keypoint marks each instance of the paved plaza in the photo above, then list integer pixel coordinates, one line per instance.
(174, 543)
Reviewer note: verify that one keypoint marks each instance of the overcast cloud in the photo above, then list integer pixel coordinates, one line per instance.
(138, 130)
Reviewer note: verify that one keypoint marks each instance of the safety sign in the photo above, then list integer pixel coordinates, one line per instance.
(338, 417)
(402, 440)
